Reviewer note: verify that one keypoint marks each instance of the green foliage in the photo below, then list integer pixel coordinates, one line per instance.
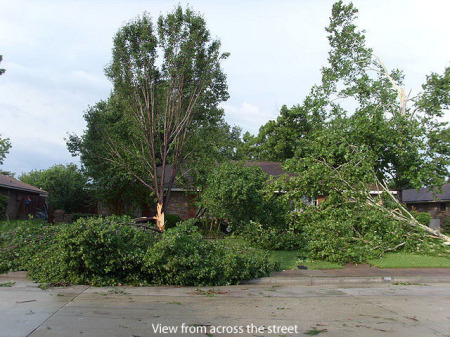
(171, 220)
(3, 205)
(164, 110)
(423, 218)
(271, 237)
(5, 145)
(111, 184)
(108, 251)
(374, 138)
(20, 242)
(76, 216)
(279, 140)
(168, 77)
(97, 251)
(344, 231)
(66, 184)
(361, 103)
(184, 257)
(237, 193)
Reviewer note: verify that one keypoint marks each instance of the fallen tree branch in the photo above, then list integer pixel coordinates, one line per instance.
(401, 213)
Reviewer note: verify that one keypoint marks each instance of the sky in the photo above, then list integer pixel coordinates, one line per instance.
(54, 53)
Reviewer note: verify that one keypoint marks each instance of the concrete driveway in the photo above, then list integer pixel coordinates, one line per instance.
(245, 310)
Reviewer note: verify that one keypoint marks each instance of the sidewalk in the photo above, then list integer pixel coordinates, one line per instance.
(362, 273)
(350, 274)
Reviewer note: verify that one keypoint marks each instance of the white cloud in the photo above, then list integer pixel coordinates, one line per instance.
(55, 51)
(250, 117)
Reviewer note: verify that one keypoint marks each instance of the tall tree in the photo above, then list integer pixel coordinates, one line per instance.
(365, 104)
(166, 77)
(111, 184)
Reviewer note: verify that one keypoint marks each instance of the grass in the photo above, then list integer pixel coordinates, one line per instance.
(407, 260)
(319, 264)
(287, 259)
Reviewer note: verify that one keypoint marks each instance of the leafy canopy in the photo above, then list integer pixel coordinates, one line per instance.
(66, 184)
(167, 86)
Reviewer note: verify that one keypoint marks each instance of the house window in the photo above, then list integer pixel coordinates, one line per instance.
(442, 206)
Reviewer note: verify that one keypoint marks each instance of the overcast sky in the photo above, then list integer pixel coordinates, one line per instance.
(54, 53)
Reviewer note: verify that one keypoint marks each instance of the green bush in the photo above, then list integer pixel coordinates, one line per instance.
(271, 237)
(184, 257)
(19, 243)
(423, 218)
(236, 193)
(106, 252)
(97, 251)
(171, 220)
(353, 232)
(76, 216)
(3, 205)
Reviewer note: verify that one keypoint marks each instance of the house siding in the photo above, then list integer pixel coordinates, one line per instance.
(17, 208)
(437, 210)
(182, 204)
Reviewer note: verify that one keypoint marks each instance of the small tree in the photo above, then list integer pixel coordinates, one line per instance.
(237, 193)
(66, 184)
(166, 77)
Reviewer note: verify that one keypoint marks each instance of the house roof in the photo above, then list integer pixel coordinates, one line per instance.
(14, 184)
(271, 168)
(427, 195)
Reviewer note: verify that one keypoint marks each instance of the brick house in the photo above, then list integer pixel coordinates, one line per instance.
(182, 199)
(436, 203)
(24, 199)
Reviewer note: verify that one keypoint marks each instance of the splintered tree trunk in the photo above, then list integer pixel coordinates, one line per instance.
(160, 217)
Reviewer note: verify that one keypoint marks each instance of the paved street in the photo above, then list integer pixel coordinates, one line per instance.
(247, 310)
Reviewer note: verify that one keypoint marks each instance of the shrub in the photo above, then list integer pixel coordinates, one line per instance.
(171, 220)
(76, 216)
(3, 205)
(236, 193)
(97, 251)
(184, 257)
(271, 237)
(423, 218)
(105, 252)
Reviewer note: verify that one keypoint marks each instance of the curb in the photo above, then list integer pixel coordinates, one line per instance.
(310, 281)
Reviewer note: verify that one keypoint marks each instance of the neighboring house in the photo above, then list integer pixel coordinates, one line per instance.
(374, 191)
(24, 199)
(182, 199)
(434, 202)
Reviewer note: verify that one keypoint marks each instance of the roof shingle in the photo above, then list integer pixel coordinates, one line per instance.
(12, 183)
(427, 195)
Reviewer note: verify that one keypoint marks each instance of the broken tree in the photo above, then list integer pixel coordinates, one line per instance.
(167, 78)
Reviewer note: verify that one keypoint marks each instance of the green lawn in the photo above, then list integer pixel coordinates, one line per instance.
(406, 260)
(291, 259)
(286, 259)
